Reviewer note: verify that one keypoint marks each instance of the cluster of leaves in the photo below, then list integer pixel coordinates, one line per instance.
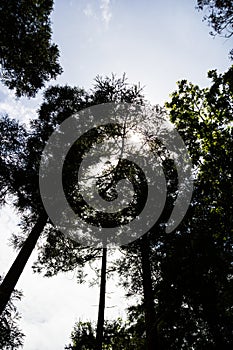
(21, 150)
(191, 267)
(198, 263)
(28, 58)
(73, 257)
(59, 104)
(118, 335)
(219, 16)
(11, 151)
(190, 270)
(11, 337)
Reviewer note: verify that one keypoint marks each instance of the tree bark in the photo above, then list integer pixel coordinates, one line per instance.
(149, 309)
(100, 323)
(13, 275)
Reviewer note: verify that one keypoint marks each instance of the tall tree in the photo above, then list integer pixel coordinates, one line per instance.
(139, 269)
(204, 118)
(192, 266)
(117, 91)
(105, 90)
(12, 152)
(28, 58)
(23, 181)
(59, 104)
(12, 182)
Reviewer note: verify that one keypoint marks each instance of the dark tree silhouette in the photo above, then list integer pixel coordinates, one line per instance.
(100, 321)
(105, 90)
(59, 104)
(191, 268)
(219, 15)
(199, 262)
(11, 336)
(28, 58)
(118, 335)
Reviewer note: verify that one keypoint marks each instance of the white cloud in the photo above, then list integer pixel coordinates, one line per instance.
(88, 11)
(105, 11)
(105, 14)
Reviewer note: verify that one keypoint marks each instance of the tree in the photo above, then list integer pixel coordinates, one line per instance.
(118, 335)
(105, 90)
(117, 91)
(203, 251)
(11, 336)
(101, 318)
(59, 104)
(10, 280)
(22, 180)
(13, 136)
(219, 16)
(139, 269)
(12, 171)
(28, 58)
(12, 181)
(191, 268)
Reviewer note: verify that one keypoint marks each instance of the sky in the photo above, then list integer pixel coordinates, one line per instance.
(155, 43)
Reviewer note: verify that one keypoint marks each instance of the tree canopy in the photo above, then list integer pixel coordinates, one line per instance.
(191, 267)
(189, 270)
(219, 15)
(118, 335)
(183, 279)
(203, 256)
(28, 58)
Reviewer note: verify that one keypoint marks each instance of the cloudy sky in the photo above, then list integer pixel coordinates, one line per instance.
(156, 43)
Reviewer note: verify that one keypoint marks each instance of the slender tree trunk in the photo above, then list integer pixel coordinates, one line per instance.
(100, 323)
(13, 275)
(150, 316)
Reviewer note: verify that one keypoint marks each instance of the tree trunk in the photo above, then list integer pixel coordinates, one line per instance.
(100, 323)
(150, 316)
(13, 275)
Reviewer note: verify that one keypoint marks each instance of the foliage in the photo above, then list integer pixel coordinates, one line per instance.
(28, 58)
(219, 16)
(59, 104)
(192, 266)
(11, 336)
(18, 177)
(204, 120)
(197, 270)
(118, 335)
(105, 90)
(12, 148)
(73, 257)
